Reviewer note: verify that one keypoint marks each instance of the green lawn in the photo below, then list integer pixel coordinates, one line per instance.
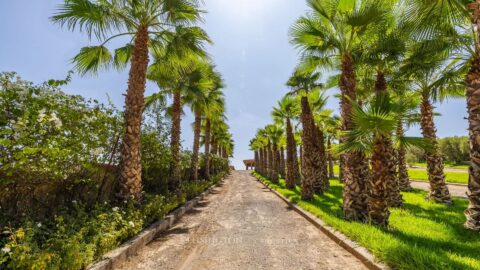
(451, 177)
(422, 235)
(447, 165)
(421, 175)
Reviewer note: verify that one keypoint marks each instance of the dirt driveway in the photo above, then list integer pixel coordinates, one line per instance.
(242, 225)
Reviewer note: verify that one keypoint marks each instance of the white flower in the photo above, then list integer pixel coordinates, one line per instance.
(56, 120)
(115, 209)
(41, 115)
(131, 224)
(74, 201)
(39, 224)
(6, 250)
(97, 151)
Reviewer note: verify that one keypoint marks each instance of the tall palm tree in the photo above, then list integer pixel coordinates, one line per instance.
(303, 82)
(287, 110)
(332, 126)
(214, 109)
(372, 124)
(150, 23)
(198, 105)
(329, 36)
(318, 102)
(461, 15)
(435, 79)
(184, 78)
(274, 134)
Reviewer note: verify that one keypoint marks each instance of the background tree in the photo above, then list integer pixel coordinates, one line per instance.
(150, 24)
(329, 37)
(287, 110)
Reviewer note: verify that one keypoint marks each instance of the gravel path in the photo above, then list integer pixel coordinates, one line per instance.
(242, 225)
(455, 190)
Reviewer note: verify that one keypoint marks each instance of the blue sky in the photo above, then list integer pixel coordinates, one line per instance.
(251, 50)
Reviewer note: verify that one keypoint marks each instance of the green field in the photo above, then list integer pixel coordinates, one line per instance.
(447, 165)
(422, 235)
(451, 177)
(421, 175)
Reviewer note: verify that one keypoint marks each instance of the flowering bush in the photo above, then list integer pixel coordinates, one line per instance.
(50, 144)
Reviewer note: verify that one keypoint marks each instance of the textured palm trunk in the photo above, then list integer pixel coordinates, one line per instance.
(129, 185)
(175, 170)
(206, 162)
(259, 168)
(331, 172)
(321, 154)
(473, 105)
(308, 152)
(355, 170)
(196, 146)
(265, 162)
(282, 162)
(275, 163)
(291, 157)
(394, 197)
(296, 169)
(436, 176)
(402, 171)
(378, 192)
(256, 158)
(269, 161)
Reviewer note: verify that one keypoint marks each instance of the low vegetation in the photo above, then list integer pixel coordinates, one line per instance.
(421, 234)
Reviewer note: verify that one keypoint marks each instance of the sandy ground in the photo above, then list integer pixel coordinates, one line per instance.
(455, 190)
(242, 225)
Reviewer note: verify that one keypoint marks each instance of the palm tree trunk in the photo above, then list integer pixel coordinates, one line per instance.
(268, 163)
(321, 154)
(206, 163)
(176, 173)
(129, 185)
(331, 172)
(394, 197)
(308, 155)
(256, 158)
(275, 163)
(436, 176)
(402, 171)
(196, 145)
(265, 161)
(355, 170)
(282, 162)
(378, 192)
(473, 104)
(291, 156)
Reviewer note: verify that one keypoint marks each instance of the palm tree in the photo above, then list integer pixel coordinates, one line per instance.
(461, 15)
(318, 102)
(329, 36)
(331, 126)
(371, 125)
(198, 105)
(302, 83)
(214, 109)
(150, 23)
(287, 110)
(274, 133)
(185, 78)
(435, 79)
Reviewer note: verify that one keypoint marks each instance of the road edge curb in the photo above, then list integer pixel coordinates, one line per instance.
(114, 258)
(352, 247)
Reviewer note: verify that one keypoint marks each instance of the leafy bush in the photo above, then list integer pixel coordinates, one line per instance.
(52, 145)
(76, 239)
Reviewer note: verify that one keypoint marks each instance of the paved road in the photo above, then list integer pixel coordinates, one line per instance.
(242, 225)
(455, 190)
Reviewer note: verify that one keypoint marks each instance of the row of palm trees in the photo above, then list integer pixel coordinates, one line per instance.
(392, 61)
(164, 45)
